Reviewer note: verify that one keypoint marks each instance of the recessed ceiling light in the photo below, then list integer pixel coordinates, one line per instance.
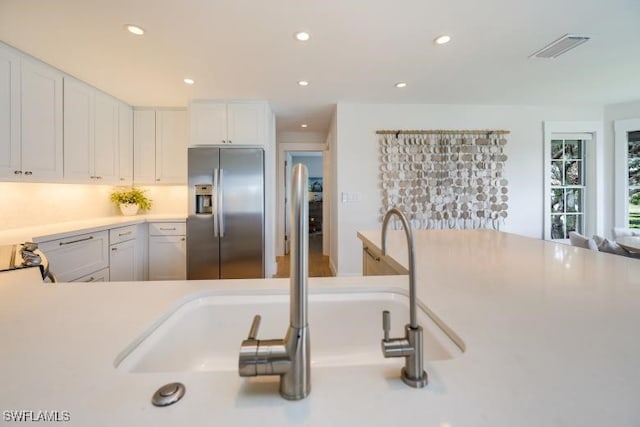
(443, 39)
(189, 81)
(302, 36)
(401, 84)
(304, 125)
(303, 83)
(134, 29)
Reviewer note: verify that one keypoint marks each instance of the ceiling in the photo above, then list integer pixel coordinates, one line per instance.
(245, 49)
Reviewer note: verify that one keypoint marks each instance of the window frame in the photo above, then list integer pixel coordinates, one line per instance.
(621, 169)
(593, 168)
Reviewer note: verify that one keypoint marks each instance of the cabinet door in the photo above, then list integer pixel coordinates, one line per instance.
(171, 147)
(9, 114)
(246, 124)
(78, 130)
(144, 146)
(208, 123)
(125, 144)
(167, 258)
(105, 147)
(123, 261)
(41, 125)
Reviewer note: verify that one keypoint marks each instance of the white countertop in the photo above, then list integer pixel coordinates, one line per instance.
(62, 230)
(550, 333)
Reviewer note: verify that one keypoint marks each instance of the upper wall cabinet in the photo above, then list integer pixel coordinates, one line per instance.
(9, 113)
(238, 123)
(30, 119)
(125, 144)
(160, 146)
(90, 134)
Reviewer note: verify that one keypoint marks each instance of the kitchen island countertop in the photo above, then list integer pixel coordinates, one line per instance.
(549, 333)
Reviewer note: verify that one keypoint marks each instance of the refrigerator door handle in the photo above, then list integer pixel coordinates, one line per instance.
(215, 202)
(221, 202)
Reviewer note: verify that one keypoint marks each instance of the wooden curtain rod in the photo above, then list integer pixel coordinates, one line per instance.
(441, 132)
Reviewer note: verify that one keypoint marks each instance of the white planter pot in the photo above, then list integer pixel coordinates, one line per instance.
(129, 209)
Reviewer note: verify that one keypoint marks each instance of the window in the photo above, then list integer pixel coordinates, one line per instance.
(573, 183)
(633, 176)
(567, 187)
(627, 173)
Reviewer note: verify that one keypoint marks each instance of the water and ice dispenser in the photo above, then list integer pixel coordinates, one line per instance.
(204, 198)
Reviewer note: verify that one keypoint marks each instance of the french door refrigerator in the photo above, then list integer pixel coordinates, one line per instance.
(225, 226)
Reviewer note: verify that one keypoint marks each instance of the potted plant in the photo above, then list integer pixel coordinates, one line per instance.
(130, 200)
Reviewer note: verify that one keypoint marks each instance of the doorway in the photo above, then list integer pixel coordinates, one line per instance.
(314, 161)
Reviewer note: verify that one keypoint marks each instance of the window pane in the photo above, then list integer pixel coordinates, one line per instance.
(574, 200)
(634, 148)
(573, 173)
(556, 149)
(573, 149)
(634, 171)
(557, 200)
(574, 223)
(556, 173)
(557, 227)
(634, 208)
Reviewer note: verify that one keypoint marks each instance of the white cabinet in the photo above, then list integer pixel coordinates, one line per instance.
(90, 134)
(160, 146)
(9, 113)
(167, 251)
(105, 147)
(30, 119)
(124, 260)
(77, 256)
(125, 144)
(241, 123)
(41, 122)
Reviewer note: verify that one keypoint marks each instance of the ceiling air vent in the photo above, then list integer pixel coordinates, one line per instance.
(560, 46)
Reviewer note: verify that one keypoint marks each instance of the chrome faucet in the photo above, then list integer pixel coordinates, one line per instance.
(288, 357)
(409, 347)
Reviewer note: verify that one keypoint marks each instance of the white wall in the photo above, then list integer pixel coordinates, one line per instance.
(332, 185)
(357, 160)
(31, 204)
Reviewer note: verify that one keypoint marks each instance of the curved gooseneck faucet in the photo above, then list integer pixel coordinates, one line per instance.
(289, 357)
(410, 346)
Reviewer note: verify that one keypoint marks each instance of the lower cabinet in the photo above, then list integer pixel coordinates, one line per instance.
(167, 251)
(374, 264)
(124, 260)
(77, 257)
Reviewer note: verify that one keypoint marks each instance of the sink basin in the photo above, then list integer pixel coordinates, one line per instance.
(204, 334)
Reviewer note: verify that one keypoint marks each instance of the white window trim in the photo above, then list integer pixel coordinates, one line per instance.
(594, 152)
(621, 171)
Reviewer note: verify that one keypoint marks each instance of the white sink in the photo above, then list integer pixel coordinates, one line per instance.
(345, 326)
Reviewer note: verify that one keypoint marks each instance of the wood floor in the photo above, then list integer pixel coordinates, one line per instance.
(318, 263)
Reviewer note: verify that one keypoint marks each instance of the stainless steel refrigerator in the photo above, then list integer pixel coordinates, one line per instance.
(225, 227)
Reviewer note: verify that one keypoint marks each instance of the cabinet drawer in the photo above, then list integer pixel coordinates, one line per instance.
(96, 276)
(76, 256)
(167, 229)
(122, 234)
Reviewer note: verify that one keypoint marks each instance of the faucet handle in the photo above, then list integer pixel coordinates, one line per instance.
(255, 325)
(386, 324)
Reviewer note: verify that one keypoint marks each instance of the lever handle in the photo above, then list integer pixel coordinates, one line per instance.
(386, 324)
(255, 325)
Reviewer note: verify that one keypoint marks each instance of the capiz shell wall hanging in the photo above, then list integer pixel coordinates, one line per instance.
(444, 178)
